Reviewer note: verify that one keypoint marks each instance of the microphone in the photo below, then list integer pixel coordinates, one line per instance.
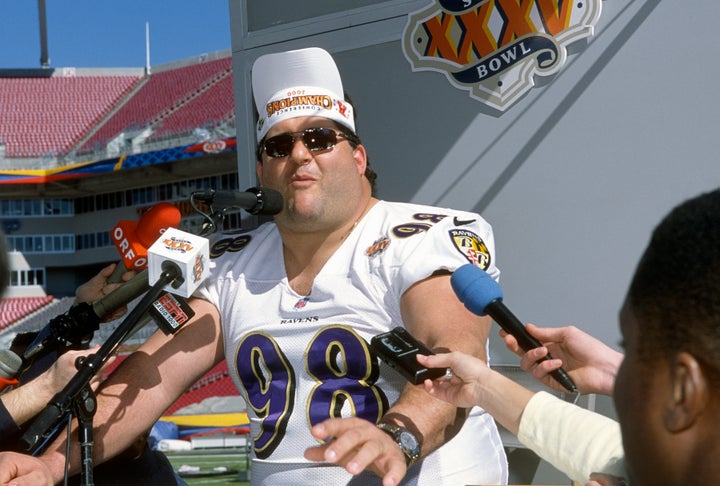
(10, 364)
(483, 296)
(133, 238)
(83, 319)
(256, 200)
(184, 256)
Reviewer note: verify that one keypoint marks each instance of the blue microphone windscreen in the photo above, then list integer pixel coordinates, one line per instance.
(475, 288)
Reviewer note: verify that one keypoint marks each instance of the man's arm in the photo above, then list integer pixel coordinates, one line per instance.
(433, 314)
(145, 385)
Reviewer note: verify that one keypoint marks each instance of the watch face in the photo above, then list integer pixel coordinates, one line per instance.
(408, 441)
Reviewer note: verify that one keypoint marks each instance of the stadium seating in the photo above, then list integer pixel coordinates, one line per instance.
(59, 115)
(213, 105)
(13, 309)
(43, 116)
(159, 96)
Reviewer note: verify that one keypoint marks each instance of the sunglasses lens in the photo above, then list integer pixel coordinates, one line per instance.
(315, 139)
(280, 145)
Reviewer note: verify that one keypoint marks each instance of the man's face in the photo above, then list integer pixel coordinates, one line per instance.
(639, 399)
(320, 188)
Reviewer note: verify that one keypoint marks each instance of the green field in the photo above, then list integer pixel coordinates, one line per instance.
(234, 460)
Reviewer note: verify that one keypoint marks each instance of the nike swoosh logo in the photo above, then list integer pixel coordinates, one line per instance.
(462, 222)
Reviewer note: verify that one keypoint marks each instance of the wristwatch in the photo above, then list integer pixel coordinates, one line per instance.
(407, 441)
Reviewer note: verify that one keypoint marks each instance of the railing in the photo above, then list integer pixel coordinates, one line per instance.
(223, 129)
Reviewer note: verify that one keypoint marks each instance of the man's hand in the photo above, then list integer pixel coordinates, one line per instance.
(23, 470)
(357, 444)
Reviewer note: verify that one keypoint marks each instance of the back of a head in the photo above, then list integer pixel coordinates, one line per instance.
(675, 293)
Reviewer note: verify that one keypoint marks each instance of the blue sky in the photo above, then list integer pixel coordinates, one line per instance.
(105, 33)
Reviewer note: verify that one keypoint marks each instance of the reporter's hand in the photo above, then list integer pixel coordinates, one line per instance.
(590, 363)
(357, 444)
(23, 470)
(464, 388)
(98, 287)
(62, 370)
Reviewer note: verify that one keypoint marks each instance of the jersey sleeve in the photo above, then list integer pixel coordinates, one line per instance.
(457, 239)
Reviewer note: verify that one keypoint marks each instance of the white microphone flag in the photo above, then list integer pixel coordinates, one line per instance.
(190, 252)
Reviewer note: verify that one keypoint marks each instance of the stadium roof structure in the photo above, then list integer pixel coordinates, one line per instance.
(67, 132)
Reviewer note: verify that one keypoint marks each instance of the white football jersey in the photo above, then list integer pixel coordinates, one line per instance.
(298, 360)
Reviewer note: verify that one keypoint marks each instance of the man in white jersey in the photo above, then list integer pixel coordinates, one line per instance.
(293, 305)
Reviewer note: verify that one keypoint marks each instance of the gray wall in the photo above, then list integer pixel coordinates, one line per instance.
(573, 177)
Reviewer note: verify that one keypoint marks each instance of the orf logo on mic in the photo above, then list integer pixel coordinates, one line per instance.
(133, 238)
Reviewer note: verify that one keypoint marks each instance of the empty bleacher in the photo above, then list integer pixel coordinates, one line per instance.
(48, 115)
(215, 383)
(214, 104)
(14, 309)
(159, 96)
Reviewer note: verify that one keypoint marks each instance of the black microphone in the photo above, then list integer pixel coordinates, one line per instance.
(82, 320)
(483, 296)
(256, 200)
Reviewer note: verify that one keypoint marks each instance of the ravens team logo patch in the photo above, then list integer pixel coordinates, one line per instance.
(471, 246)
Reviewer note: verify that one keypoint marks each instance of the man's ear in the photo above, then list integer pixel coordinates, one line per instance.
(689, 397)
(360, 157)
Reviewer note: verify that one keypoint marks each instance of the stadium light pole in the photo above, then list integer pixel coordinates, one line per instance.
(147, 47)
(44, 57)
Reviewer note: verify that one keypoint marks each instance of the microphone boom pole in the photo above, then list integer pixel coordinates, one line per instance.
(77, 394)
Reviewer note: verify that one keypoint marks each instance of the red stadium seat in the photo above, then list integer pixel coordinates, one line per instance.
(13, 309)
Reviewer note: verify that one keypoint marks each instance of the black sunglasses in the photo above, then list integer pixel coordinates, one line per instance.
(315, 139)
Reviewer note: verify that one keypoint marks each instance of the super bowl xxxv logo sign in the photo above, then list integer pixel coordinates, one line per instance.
(494, 48)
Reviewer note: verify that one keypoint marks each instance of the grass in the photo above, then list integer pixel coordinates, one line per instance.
(206, 460)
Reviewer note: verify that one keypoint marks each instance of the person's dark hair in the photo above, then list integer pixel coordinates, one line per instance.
(675, 293)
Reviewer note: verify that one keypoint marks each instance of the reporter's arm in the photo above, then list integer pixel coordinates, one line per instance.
(574, 440)
(23, 470)
(98, 287)
(26, 401)
(145, 385)
(474, 383)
